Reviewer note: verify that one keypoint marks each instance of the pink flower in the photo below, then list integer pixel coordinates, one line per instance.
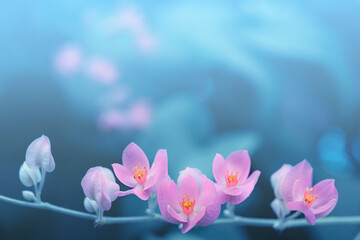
(193, 201)
(231, 175)
(136, 173)
(299, 194)
(278, 205)
(38, 154)
(99, 185)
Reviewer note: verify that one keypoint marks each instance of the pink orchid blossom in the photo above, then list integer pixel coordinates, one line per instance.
(233, 184)
(300, 195)
(38, 154)
(277, 178)
(192, 201)
(99, 185)
(136, 173)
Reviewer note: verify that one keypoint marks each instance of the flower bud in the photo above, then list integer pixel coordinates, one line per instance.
(279, 208)
(39, 154)
(277, 179)
(99, 185)
(90, 205)
(28, 195)
(29, 176)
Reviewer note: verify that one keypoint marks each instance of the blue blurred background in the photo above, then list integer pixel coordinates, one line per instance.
(280, 79)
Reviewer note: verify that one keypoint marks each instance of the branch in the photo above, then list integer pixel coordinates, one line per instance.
(236, 220)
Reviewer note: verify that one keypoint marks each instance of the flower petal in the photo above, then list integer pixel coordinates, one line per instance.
(150, 182)
(222, 197)
(209, 199)
(133, 155)
(189, 187)
(193, 220)
(167, 195)
(29, 176)
(324, 210)
(219, 169)
(124, 175)
(194, 172)
(277, 178)
(207, 194)
(302, 207)
(138, 191)
(38, 154)
(234, 191)
(325, 191)
(159, 170)
(302, 172)
(239, 161)
(178, 216)
(247, 188)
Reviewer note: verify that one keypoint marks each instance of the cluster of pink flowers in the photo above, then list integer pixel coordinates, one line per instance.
(294, 192)
(194, 199)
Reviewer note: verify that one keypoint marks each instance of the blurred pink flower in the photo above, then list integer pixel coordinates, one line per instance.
(137, 117)
(99, 185)
(231, 175)
(193, 201)
(136, 173)
(140, 114)
(145, 41)
(38, 154)
(112, 119)
(299, 194)
(102, 71)
(133, 20)
(67, 59)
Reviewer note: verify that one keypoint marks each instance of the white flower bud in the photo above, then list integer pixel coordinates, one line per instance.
(29, 176)
(28, 195)
(279, 208)
(38, 154)
(90, 205)
(277, 179)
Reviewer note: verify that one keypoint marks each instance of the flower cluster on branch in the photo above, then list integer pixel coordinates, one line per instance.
(194, 199)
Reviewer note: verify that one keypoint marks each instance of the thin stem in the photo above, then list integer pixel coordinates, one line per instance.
(293, 216)
(152, 203)
(43, 174)
(230, 210)
(236, 220)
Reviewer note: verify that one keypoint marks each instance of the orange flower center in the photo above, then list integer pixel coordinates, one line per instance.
(231, 179)
(309, 196)
(140, 174)
(187, 206)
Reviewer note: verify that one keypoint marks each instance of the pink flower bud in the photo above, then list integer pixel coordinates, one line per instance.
(99, 185)
(39, 154)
